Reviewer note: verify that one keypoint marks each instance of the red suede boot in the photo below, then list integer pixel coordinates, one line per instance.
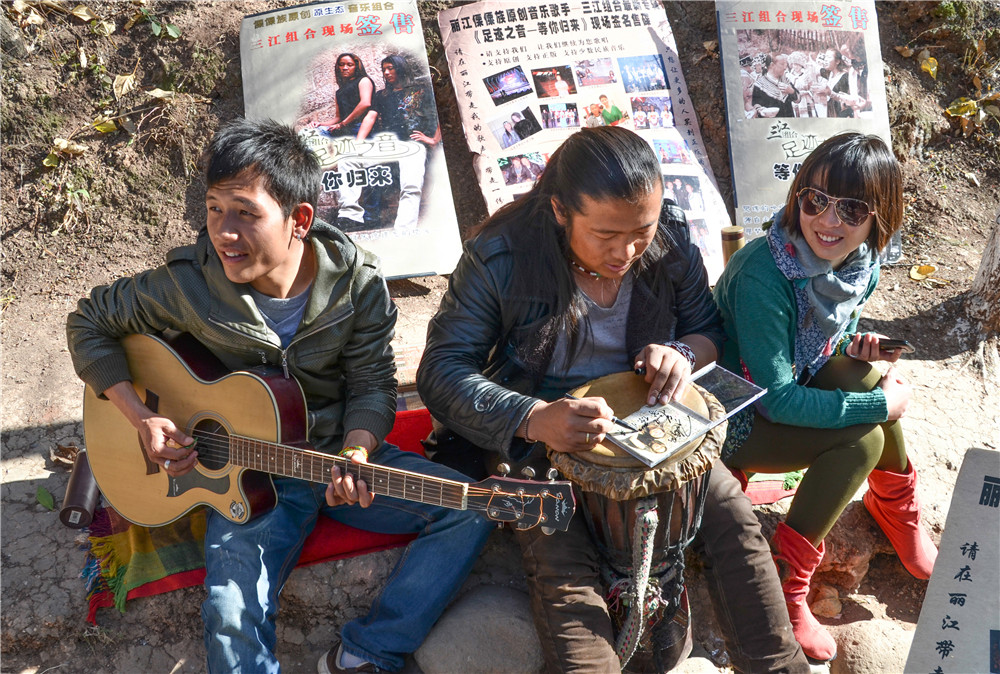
(797, 559)
(892, 501)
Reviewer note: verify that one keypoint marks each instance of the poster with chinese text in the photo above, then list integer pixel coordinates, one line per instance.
(528, 75)
(353, 80)
(795, 74)
(959, 625)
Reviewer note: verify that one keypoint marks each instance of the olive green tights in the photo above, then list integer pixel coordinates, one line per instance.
(839, 459)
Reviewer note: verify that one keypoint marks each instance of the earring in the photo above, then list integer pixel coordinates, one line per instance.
(298, 237)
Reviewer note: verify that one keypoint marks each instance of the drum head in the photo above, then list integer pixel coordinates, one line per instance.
(625, 392)
(611, 471)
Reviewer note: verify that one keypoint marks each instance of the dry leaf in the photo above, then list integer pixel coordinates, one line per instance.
(105, 28)
(84, 13)
(82, 55)
(104, 125)
(123, 84)
(930, 65)
(34, 18)
(20, 6)
(64, 455)
(56, 5)
(162, 95)
(919, 272)
(68, 146)
(936, 281)
(905, 52)
(978, 83)
(132, 21)
(963, 107)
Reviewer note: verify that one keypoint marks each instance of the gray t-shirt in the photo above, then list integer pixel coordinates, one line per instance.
(602, 349)
(282, 315)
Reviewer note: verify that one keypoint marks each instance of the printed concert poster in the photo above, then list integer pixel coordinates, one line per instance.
(353, 80)
(795, 73)
(528, 75)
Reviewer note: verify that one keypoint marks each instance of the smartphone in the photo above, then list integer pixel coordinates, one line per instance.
(896, 344)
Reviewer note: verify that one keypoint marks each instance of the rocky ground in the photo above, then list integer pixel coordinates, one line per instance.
(143, 197)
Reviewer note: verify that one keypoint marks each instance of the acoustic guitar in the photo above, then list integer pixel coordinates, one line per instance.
(249, 425)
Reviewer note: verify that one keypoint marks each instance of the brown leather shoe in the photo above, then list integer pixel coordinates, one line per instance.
(329, 663)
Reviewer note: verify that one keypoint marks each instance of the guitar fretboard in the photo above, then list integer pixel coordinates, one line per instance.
(277, 459)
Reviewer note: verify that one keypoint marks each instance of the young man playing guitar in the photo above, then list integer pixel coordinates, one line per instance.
(265, 283)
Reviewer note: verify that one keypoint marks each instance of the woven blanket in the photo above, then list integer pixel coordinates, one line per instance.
(125, 561)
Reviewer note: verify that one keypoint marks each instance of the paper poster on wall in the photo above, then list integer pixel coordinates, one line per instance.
(353, 80)
(528, 75)
(795, 74)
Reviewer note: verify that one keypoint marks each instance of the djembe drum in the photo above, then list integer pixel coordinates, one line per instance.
(642, 520)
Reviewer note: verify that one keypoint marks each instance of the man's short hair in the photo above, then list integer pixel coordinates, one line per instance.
(289, 170)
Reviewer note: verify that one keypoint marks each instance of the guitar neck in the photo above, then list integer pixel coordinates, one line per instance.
(313, 466)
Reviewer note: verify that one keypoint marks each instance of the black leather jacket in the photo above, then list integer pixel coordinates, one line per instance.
(487, 351)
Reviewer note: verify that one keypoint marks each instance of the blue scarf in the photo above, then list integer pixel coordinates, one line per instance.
(827, 300)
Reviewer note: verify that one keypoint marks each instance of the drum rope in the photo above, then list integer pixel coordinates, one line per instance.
(642, 595)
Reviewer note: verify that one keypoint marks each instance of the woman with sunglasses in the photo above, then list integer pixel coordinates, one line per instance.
(790, 303)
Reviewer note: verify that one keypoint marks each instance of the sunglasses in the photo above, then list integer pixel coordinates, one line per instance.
(850, 211)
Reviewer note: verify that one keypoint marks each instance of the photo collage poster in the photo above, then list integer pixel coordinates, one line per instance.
(385, 181)
(526, 76)
(795, 74)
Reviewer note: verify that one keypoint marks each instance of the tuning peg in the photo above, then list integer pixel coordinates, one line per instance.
(551, 474)
(503, 469)
(528, 472)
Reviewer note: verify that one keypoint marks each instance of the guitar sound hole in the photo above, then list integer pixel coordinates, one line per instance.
(213, 444)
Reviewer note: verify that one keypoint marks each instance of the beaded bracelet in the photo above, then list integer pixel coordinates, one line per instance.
(346, 452)
(524, 424)
(684, 350)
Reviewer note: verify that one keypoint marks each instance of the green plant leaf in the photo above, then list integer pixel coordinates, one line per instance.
(45, 498)
(173, 31)
(51, 161)
(155, 27)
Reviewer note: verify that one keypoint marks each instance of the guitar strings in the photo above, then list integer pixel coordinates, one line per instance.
(217, 446)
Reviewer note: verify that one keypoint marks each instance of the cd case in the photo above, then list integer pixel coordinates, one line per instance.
(659, 431)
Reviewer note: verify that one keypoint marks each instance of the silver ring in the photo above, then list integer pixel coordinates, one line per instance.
(166, 464)
(588, 439)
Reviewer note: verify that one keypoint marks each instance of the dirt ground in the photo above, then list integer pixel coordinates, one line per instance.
(117, 207)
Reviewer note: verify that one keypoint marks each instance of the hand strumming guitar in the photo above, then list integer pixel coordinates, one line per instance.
(165, 444)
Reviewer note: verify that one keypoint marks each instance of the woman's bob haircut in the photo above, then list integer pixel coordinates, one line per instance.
(854, 165)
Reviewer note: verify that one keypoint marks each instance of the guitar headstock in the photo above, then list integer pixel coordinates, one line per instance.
(524, 503)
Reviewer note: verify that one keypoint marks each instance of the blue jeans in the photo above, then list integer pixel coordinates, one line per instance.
(247, 565)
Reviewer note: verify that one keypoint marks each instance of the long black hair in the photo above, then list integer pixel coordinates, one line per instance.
(404, 77)
(359, 69)
(605, 162)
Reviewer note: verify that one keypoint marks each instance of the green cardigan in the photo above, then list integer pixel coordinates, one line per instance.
(760, 317)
